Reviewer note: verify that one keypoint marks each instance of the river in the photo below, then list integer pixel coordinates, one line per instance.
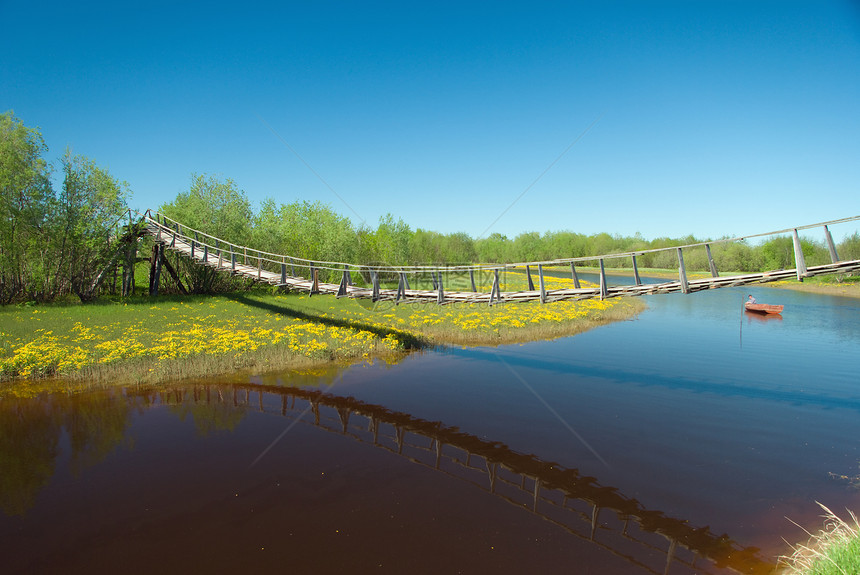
(689, 439)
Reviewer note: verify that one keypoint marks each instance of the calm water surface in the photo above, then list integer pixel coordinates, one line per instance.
(678, 441)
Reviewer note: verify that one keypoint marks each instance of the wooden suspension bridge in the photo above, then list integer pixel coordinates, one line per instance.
(303, 275)
(647, 539)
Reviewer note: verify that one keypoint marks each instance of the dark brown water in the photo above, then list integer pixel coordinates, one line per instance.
(677, 442)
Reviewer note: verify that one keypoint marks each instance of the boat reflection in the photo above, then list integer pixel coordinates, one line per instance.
(762, 317)
(647, 539)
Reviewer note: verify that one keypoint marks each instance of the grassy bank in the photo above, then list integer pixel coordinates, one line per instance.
(834, 550)
(157, 339)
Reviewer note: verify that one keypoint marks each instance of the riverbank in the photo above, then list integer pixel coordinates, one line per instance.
(146, 340)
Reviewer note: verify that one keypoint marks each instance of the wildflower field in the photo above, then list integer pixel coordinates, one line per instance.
(142, 339)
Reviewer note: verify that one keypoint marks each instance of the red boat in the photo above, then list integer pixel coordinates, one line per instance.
(762, 308)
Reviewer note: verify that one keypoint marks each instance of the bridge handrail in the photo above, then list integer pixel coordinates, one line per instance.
(417, 269)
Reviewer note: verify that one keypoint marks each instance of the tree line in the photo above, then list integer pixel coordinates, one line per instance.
(60, 242)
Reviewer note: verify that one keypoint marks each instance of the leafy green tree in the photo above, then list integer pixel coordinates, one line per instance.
(493, 249)
(392, 241)
(849, 248)
(26, 201)
(778, 253)
(90, 204)
(307, 230)
(219, 209)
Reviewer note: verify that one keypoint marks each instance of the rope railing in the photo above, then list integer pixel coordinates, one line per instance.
(272, 268)
(489, 267)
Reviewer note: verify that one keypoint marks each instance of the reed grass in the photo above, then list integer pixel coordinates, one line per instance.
(834, 550)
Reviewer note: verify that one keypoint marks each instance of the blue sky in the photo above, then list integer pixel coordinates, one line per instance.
(688, 117)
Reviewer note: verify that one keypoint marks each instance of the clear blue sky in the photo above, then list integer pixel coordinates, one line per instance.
(689, 117)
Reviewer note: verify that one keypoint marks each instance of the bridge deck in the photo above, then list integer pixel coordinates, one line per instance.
(226, 257)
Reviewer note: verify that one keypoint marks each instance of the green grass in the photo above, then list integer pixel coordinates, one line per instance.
(141, 339)
(834, 550)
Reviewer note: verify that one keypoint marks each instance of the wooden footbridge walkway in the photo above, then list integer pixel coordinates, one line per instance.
(303, 275)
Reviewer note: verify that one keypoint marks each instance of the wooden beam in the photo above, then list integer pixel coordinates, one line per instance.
(799, 262)
(542, 285)
(603, 286)
(682, 273)
(711, 264)
(834, 257)
(574, 276)
(636, 272)
(440, 295)
(173, 275)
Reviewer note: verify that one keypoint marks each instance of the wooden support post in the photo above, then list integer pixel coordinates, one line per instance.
(682, 273)
(283, 273)
(574, 276)
(491, 472)
(205, 253)
(398, 438)
(292, 268)
(595, 513)
(440, 295)
(670, 555)
(173, 275)
(711, 264)
(401, 288)
(542, 285)
(433, 279)
(494, 291)
(799, 262)
(155, 268)
(374, 279)
(220, 254)
(348, 278)
(246, 255)
(636, 272)
(233, 261)
(603, 288)
(259, 266)
(529, 277)
(341, 291)
(834, 257)
(472, 277)
(128, 266)
(193, 245)
(406, 281)
(537, 495)
(315, 286)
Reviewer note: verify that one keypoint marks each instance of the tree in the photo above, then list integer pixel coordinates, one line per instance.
(216, 208)
(89, 206)
(26, 200)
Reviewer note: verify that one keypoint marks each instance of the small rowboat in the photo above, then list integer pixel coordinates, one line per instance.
(762, 308)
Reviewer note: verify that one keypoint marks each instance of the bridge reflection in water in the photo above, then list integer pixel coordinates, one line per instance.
(647, 539)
